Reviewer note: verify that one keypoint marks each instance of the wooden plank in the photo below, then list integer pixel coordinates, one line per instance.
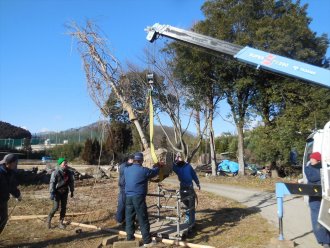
(30, 217)
(139, 236)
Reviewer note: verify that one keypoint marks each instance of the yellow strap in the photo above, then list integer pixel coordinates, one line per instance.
(151, 126)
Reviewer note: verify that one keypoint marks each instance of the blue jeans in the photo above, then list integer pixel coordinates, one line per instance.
(321, 233)
(120, 215)
(136, 205)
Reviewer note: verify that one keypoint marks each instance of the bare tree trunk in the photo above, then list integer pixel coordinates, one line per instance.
(141, 133)
(212, 145)
(240, 148)
(103, 72)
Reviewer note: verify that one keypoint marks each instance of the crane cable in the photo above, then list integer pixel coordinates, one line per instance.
(150, 79)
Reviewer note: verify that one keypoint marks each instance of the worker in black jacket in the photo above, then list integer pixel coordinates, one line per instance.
(8, 185)
(62, 179)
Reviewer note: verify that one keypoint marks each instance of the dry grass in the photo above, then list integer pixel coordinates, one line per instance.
(219, 222)
(225, 223)
(253, 182)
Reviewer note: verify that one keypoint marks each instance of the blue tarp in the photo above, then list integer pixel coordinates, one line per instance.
(228, 166)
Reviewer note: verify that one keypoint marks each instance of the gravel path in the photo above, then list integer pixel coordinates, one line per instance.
(296, 221)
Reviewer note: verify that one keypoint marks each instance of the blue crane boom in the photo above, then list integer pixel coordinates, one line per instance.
(310, 74)
(262, 60)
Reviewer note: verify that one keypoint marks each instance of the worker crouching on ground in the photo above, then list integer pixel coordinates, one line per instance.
(136, 188)
(120, 215)
(60, 181)
(8, 185)
(187, 175)
(312, 172)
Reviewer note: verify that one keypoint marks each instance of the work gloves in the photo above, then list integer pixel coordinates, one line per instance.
(71, 194)
(160, 164)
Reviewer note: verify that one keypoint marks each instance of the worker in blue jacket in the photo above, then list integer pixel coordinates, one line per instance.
(8, 186)
(136, 188)
(187, 175)
(312, 172)
(120, 215)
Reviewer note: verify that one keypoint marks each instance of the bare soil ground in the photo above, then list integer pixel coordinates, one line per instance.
(220, 222)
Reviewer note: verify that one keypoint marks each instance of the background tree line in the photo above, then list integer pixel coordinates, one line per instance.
(191, 82)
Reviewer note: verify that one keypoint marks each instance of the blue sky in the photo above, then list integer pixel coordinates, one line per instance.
(42, 82)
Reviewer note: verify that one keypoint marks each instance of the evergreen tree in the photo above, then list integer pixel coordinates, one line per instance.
(119, 139)
(10, 131)
(96, 149)
(264, 25)
(87, 154)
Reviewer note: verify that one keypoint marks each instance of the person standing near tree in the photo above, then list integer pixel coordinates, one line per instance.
(136, 188)
(312, 172)
(61, 180)
(120, 215)
(8, 186)
(186, 175)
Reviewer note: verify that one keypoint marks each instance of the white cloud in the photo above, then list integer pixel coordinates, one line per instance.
(44, 129)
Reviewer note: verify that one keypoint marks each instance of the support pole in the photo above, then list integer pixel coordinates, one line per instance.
(280, 217)
(178, 212)
(158, 201)
(281, 191)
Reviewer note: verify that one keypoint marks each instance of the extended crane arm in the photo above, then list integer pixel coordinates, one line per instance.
(263, 60)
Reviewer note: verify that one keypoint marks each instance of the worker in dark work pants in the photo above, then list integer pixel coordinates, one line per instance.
(136, 188)
(61, 180)
(186, 175)
(312, 172)
(120, 215)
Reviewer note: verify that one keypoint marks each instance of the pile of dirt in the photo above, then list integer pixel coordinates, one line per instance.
(35, 176)
(97, 173)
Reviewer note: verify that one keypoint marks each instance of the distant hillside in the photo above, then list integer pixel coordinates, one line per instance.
(94, 130)
(79, 134)
(10, 131)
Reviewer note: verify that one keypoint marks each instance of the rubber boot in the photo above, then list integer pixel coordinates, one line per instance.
(61, 225)
(49, 220)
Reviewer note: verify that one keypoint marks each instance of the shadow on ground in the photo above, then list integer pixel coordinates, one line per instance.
(215, 222)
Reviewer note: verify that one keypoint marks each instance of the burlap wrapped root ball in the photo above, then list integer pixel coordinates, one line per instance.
(162, 155)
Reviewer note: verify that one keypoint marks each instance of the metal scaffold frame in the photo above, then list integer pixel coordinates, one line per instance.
(165, 226)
